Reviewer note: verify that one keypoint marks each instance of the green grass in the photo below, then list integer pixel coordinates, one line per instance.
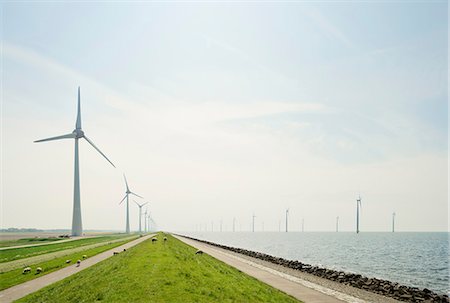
(26, 252)
(161, 272)
(14, 277)
(26, 241)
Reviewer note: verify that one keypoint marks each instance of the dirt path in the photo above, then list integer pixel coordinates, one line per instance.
(21, 290)
(7, 266)
(301, 289)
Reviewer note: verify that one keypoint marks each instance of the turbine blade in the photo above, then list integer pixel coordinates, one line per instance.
(136, 195)
(68, 136)
(78, 124)
(93, 145)
(144, 203)
(123, 199)
(137, 204)
(126, 183)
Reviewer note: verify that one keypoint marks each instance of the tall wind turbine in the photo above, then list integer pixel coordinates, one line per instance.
(253, 225)
(393, 222)
(358, 205)
(145, 220)
(77, 226)
(127, 193)
(337, 224)
(140, 213)
(287, 213)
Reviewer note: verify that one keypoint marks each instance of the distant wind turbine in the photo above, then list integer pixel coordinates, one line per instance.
(253, 225)
(337, 224)
(358, 205)
(77, 226)
(234, 224)
(145, 220)
(287, 214)
(303, 224)
(393, 222)
(127, 193)
(140, 213)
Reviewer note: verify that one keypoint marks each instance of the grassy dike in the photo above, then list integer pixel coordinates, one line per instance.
(15, 277)
(159, 272)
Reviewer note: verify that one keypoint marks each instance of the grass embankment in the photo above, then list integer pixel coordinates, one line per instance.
(15, 277)
(159, 272)
(26, 252)
(27, 241)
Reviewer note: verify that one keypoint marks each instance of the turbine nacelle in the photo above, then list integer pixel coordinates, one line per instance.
(78, 132)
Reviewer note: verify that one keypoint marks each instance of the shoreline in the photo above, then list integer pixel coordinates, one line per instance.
(373, 285)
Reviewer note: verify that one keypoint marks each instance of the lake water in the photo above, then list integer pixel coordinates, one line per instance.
(413, 259)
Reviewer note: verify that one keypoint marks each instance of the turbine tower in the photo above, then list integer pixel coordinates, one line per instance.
(77, 226)
(337, 224)
(393, 222)
(303, 224)
(127, 193)
(140, 213)
(287, 213)
(145, 220)
(358, 205)
(253, 225)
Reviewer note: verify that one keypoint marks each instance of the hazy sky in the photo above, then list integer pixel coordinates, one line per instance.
(216, 110)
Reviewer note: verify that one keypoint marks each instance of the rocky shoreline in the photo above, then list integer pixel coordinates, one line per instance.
(378, 286)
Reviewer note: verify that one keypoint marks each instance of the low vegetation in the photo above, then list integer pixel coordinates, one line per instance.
(27, 241)
(26, 252)
(160, 271)
(14, 277)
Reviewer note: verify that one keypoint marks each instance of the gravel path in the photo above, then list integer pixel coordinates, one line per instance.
(21, 290)
(8, 266)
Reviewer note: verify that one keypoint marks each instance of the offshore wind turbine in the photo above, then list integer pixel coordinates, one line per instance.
(253, 224)
(78, 133)
(127, 193)
(393, 222)
(358, 205)
(337, 224)
(303, 224)
(140, 213)
(287, 213)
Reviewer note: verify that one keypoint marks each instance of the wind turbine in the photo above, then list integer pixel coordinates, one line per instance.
(287, 213)
(77, 226)
(303, 224)
(337, 224)
(234, 224)
(253, 225)
(140, 213)
(145, 220)
(127, 193)
(358, 205)
(393, 222)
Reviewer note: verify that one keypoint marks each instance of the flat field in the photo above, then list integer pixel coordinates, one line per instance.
(26, 252)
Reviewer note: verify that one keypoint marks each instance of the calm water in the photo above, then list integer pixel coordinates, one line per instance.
(414, 259)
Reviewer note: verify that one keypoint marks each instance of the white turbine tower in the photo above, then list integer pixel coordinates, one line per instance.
(140, 213)
(128, 192)
(77, 226)
(145, 221)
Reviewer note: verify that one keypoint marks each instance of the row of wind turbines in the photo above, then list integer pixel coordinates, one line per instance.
(77, 225)
(358, 219)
